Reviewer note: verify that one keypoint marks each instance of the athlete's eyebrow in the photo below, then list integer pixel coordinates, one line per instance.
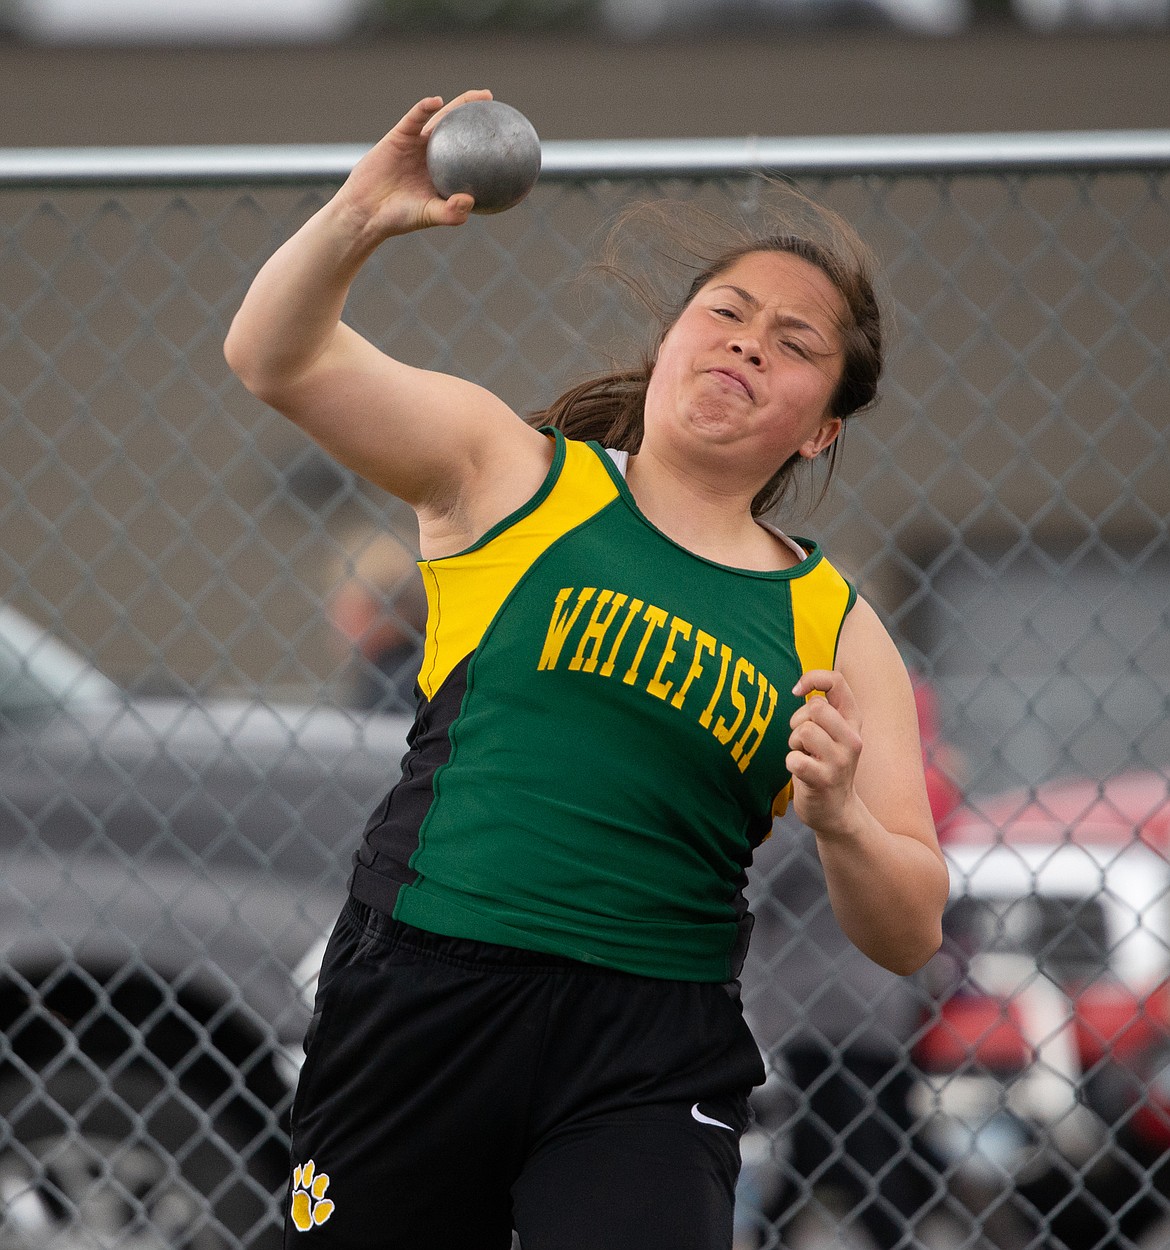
(785, 320)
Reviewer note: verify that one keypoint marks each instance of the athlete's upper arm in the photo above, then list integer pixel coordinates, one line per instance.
(430, 438)
(890, 777)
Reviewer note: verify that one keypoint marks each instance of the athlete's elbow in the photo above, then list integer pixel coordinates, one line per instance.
(907, 937)
(240, 357)
(247, 363)
(268, 379)
(919, 935)
(915, 954)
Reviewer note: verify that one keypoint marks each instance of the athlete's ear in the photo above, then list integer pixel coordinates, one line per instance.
(825, 436)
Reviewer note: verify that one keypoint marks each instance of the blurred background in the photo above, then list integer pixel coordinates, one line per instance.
(292, 71)
(209, 634)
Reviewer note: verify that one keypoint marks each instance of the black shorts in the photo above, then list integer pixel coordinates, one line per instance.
(455, 1090)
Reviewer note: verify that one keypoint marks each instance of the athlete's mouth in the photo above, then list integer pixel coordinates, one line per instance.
(737, 379)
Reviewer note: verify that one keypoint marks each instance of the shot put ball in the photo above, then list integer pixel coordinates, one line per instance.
(486, 149)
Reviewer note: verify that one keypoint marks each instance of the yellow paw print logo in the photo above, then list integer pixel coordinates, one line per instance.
(309, 1204)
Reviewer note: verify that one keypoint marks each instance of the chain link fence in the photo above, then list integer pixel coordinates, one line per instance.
(208, 632)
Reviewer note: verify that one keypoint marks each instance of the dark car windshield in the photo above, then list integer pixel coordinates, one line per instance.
(1067, 937)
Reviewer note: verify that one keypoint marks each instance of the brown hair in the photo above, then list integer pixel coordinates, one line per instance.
(609, 408)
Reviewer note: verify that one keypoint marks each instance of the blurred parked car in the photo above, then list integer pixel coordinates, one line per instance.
(167, 865)
(1046, 1084)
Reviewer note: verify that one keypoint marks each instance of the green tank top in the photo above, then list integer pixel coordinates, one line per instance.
(602, 736)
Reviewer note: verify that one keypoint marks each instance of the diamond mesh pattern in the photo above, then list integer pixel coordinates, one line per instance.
(176, 838)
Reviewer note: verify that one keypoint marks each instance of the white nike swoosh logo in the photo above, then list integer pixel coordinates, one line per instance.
(706, 1119)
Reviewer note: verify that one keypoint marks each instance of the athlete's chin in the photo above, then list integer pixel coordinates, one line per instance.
(719, 423)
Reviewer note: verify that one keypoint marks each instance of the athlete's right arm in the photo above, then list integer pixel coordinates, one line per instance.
(443, 444)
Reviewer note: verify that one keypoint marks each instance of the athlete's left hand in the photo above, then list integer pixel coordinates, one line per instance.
(824, 748)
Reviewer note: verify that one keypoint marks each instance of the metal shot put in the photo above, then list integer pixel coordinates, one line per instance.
(488, 150)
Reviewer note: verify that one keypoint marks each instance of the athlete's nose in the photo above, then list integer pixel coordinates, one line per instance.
(751, 354)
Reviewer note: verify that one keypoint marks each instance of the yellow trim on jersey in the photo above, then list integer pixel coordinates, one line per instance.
(820, 600)
(466, 591)
(780, 803)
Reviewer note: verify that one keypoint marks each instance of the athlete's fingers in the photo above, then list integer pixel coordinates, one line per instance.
(829, 683)
(440, 110)
(453, 211)
(837, 745)
(824, 741)
(416, 118)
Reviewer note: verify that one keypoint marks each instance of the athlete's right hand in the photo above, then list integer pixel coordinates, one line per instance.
(389, 191)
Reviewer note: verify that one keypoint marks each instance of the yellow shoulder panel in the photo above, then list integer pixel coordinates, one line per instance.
(466, 591)
(820, 600)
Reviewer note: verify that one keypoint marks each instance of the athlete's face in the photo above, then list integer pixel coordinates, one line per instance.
(751, 365)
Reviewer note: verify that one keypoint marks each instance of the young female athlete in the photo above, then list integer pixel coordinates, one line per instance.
(527, 1014)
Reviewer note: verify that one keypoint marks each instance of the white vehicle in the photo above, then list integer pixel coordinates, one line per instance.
(1046, 1070)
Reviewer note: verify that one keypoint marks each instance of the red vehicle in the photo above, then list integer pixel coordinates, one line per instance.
(1046, 1067)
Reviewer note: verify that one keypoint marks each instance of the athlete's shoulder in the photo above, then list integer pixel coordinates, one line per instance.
(581, 467)
(819, 576)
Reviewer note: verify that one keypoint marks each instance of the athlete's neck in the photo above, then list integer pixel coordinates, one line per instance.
(706, 521)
